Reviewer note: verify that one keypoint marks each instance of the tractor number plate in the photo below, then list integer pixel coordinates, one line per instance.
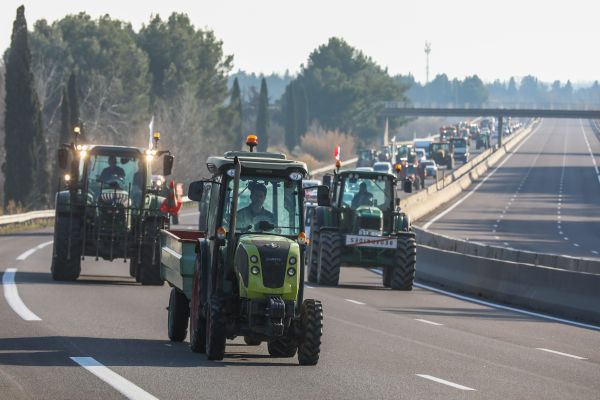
(371, 241)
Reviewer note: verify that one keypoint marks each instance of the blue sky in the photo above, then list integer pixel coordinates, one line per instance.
(494, 39)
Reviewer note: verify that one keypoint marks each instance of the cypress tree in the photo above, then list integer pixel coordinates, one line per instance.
(25, 170)
(73, 104)
(65, 119)
(291, 140)
(301, 110)
(262, 119)
(235, 106)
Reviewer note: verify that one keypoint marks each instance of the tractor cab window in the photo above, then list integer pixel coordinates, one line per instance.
(124, 174)
(366, 192)
(270, 205)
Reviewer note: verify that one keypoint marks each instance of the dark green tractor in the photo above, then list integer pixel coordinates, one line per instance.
(107, 208)
(442, 153)
(248, 275)
(362, 227)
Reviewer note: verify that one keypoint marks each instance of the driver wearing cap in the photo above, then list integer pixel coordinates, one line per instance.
(255, 211)
(112, 170)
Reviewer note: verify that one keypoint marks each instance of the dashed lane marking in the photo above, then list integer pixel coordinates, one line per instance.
(445, 382)
(428, 322)
(122, 385)
(29, 252)
(355, 302)
(594, 252)
(561, 353)
(11, 294)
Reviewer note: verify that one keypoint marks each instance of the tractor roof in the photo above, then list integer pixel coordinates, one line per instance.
(365, 174)
(254, 160)
(101, 148)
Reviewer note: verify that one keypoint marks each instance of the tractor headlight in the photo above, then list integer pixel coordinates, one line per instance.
(83, 154)
(292, 260)
(291, 271)
(254, 259)
(255, 270)
(67, 177)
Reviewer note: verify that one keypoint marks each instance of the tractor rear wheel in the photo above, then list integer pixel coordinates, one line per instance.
(66, 260)
(282, 347)
(148, 269)
(215, 329)
(179, 314)
(252, 341)
(311, 328)
(313, 267)
(403, 274)
(329, 258)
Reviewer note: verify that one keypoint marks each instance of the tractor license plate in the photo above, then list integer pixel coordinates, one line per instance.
(371, 241)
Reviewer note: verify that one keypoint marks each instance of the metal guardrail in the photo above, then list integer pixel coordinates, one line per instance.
(26, 217)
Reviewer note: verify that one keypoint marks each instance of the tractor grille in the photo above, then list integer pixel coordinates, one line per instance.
(273, 262)
(372, 223)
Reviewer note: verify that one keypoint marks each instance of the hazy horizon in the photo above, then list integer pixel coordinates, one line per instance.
(266, 37)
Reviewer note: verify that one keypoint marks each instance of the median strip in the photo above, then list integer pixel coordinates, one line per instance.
(122, 385)
(11, 294)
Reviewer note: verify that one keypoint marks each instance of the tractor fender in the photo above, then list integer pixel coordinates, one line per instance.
(62, 201)
(323, 219)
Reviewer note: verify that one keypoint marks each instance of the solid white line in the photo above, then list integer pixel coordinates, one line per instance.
(590, 151)
(560, 353)
(355, 302)
(429, 322)
(452, 207)
(594, 252)
(444, 382)
(12, 296)
(29, 252)
(125, 387)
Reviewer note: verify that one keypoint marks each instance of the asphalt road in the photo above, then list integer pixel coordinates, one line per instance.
(544, 198)
(377, 343)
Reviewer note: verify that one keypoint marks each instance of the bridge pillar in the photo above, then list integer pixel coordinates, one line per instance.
(500, 131)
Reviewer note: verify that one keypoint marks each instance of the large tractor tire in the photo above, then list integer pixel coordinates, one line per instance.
(252, 341)
(403, 274)
(387, 276)
(179, 314)
(330, 253)
(66, 260)
(282, 347)
(313, 259)
(197, 319)
(215, 329)
(311, 328)
(148, 268)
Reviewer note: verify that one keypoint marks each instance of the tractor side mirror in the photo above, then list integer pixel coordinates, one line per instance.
(195, 190)
(323, 198)
(407, 186)
(168, 164)
(63, 158)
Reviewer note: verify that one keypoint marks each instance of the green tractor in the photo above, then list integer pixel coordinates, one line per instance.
(442, 153)
(106, 207)
(362, 226)
(242, 273)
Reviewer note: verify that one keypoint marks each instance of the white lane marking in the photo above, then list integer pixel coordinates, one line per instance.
(505, 243)
(594, 252)
(497, 237)
(590, 151)
(29, 252)
(444, 382)
(560, 232)
(428, 322)
(125, 387)
(452, 207)
(576, 244)
(308, 286)
(498, 306)
(12, 296)
(566, 238)
(560, 353)
(355, 302)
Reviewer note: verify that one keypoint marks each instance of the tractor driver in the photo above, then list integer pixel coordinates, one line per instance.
(255, 211)
(112, 170)
(363, 197)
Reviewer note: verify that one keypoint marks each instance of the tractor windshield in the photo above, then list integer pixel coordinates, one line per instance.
(375, 191)
(110, 173)
(266, 204)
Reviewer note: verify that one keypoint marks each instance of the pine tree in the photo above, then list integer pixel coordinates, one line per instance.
(235, 106)
(25, 170)
(262, 119)
(289, 104)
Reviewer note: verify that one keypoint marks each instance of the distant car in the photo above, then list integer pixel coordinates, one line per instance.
(430, 167)
(383, 166)
(366, 169)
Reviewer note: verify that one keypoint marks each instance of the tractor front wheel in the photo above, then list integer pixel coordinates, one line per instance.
(179, 313)
(215, 329)
(66, 260)
(403, 275)
(311, 330)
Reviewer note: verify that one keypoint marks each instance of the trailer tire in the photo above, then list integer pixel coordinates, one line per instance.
(403, 274)
(330, 252)
(311, 328)
(282, 347)
(66, 259)
(215, 329)
(178, 316)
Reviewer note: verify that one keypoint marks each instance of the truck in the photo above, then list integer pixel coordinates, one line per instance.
(362, 226)
(460, 148)
(242, 272)
(106, 207)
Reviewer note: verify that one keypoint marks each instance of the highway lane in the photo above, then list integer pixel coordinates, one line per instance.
(377, 343)
(544, 198)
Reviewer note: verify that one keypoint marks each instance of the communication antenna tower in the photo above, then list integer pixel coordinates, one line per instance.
(427, 51)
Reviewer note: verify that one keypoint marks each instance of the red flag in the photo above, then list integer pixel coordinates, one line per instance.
(336, 153)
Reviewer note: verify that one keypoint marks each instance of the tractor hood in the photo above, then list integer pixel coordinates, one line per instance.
(267, 265)
(369, 220)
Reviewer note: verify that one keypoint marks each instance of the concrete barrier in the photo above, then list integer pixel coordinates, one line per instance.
(563, 293)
